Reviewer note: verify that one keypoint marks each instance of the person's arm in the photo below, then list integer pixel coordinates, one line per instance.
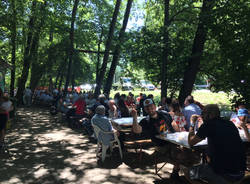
(192, 138)
(136, 128)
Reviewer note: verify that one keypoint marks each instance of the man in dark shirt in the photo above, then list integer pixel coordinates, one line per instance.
(156, 123)
(226, 154)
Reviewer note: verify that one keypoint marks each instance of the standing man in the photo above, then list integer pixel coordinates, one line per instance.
(226, 154)
(27, 96)
(156, 123)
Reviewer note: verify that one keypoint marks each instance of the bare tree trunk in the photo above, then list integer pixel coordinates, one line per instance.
(37, 69)
(197, 50)
(117, 50)
(165, 50)
(71, 48)
(26, 59)
(98, 55)
(107, 49)
(13, 44)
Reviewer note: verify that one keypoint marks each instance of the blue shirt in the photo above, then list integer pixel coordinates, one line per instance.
(104, 124)
(189, 110)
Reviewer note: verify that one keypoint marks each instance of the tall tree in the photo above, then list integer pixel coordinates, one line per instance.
(27, 54)
(117, 49)
(165, 50)
(107, 48)
(13, 45)
(71, 46)
(197, 50)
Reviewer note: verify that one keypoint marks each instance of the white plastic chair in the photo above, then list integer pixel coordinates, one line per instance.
(97, 130)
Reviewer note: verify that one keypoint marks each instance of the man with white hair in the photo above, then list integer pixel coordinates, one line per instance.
(100, 120)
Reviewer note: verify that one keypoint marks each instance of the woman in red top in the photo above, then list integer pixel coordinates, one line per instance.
(80, 106)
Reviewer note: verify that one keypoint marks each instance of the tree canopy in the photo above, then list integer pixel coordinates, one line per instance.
(35, 39)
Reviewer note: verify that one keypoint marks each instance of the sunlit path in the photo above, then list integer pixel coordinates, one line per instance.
(43, 150)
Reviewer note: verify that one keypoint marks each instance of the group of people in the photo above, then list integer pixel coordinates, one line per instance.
(226, 157)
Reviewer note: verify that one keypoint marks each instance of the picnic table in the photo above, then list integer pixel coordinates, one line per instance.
(127, 121)
(181, 139)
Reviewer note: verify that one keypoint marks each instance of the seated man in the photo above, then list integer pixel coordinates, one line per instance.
(100, 120)
(156, 123)
(190, 109)
(226, 154)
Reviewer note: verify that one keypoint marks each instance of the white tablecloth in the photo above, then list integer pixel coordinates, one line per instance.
(126, 121)
(181, 138)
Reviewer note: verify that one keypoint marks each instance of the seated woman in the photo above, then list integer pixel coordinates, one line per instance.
(179, 121)
(112, 109)
(123, 108)
(80, 107)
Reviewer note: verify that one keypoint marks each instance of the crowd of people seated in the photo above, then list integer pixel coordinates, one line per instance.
(169, 116)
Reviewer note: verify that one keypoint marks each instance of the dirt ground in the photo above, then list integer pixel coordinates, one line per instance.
(42, 149)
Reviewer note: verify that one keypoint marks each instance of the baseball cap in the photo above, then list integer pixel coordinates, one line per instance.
(148, 102)
(242, 112)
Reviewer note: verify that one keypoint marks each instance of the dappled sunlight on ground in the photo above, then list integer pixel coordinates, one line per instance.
(43, 150)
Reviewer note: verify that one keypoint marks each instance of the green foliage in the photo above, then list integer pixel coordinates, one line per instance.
(227, 55)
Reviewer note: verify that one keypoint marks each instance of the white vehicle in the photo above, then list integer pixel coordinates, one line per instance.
(126, 83)
(146, 85)
(87, 87)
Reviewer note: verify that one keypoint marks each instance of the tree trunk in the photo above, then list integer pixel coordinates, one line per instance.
(37, 69)
(71, 48)
(197, 50)
(98, 54)
(107, 49)
(26, 59)
(117, 50)
(13, 44)
(165, 51)
(60, 82)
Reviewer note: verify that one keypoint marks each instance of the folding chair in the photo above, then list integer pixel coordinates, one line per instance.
(97, 131)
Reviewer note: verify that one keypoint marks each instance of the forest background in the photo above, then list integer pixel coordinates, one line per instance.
(174, 43)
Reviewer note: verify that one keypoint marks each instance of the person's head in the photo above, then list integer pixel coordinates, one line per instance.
(123, 97)
(101, 98)
(151, 96)
(111, 104)
(175, 106)
(189, 100)
(117, 96)
(210, 111)
(100, 109)
(149, 107)
(242, 113)
(168, 101)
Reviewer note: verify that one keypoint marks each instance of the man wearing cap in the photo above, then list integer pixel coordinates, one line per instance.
(156, 123)
(243, 117)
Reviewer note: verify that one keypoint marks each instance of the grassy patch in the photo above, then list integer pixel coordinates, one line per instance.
(204, 97)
